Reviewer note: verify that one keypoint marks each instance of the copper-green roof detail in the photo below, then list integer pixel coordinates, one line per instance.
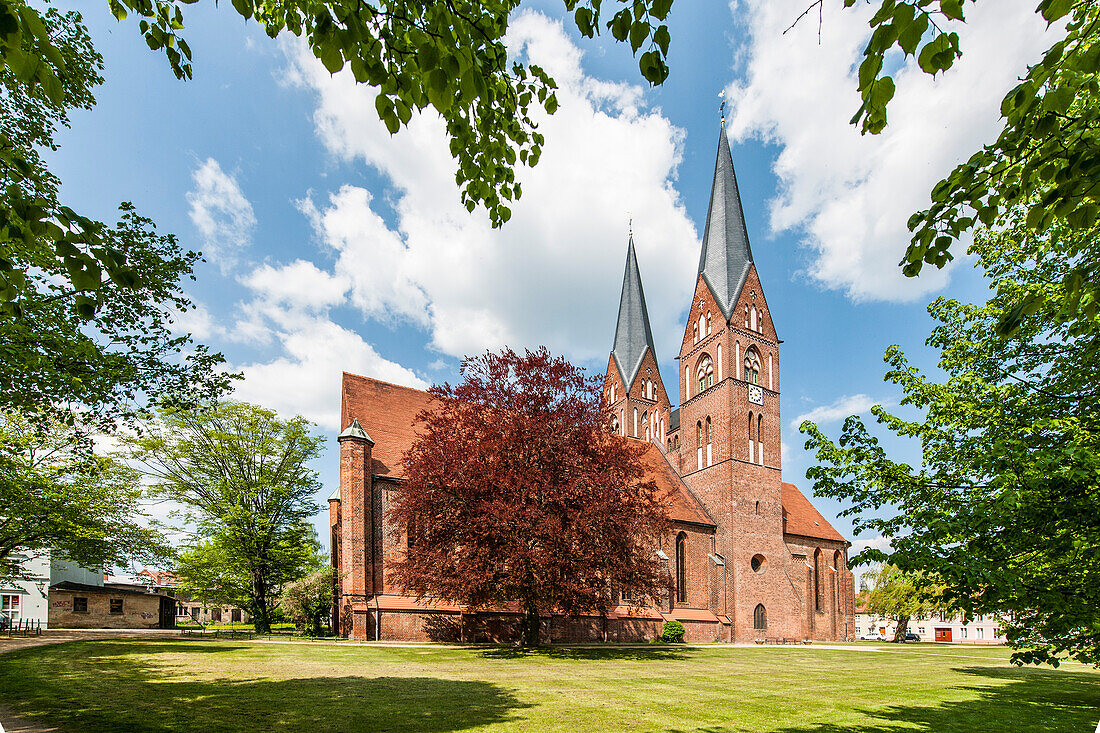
(355, 430)
(725, 258)
(632, 333)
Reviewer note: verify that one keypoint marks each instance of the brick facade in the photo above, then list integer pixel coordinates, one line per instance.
(748, 555)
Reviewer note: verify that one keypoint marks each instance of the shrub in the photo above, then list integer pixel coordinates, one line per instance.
(673, 632)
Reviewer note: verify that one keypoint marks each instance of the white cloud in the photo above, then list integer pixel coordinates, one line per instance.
(306, 380)
(221, 213)
(300, 284)
(855, 404)
(851, 195)
(552, 274)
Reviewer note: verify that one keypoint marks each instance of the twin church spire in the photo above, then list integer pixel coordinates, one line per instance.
(724, 263)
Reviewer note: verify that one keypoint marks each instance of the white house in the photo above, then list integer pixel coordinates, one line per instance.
(25, 598)
(980, 630)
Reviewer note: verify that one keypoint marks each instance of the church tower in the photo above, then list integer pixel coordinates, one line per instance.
(633, 388)
(729, 422)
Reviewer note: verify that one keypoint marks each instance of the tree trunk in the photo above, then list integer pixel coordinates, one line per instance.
(529, 626)
(902, 629)
(261, 620)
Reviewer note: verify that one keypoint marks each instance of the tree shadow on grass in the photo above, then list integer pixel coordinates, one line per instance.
(111, 689)
(593, 653)
(1021, 700)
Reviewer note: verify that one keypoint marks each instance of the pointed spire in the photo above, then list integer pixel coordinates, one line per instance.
(726, 256)
(355, 430)
(632, 333)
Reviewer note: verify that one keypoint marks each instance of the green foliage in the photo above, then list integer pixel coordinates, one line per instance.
(58, 495)
(1044, 162)
(449, 56)
(1005, 508)
(308, 600)
(898, 595)
(243, 475)
(84, 307)
(673, 632)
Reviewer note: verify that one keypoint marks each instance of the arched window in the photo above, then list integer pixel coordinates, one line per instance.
(676, 441)
(710, 449)
(819, 591)
(760, 618)
(752, 366)
(696, 332)
(752, 453)
(699, 444)
(719, 362)
(708, 323)
(645, 421)
(670, 443)
(746, 316)
(681, 568)
(705, 372)
(760, 438)
(752, 318)
(615, 423)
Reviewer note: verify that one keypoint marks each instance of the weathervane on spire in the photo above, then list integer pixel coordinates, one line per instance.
(630, 225)
(722, 106)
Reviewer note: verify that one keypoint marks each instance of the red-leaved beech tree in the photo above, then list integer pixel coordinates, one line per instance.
(517, 491)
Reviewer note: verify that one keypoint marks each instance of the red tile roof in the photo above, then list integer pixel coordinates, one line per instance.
(388, 413)
(802, 519)
(683, 505)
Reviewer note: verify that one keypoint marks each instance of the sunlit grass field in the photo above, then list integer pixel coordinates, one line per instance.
(209, 685)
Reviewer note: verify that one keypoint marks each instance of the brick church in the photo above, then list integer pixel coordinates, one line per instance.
(748, 556)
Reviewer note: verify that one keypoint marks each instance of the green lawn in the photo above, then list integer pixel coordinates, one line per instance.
(203, 685)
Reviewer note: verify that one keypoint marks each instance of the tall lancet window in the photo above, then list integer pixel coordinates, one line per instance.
(752, 458)
(705, 373)
(708, 323)
(695, 333)
(681, 568)
(760, 439)
(699, 444)
(710, 451)
(752, 366)
(645, 421)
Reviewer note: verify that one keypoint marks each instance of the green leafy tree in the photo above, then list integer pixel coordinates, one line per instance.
(1042, 167)
(308, 600)
(58, 495)
(901, 596)
(1005, 506)
(85, 308)
(448, 55)
(243, 476)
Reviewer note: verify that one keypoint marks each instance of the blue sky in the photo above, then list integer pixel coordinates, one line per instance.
(331, 246)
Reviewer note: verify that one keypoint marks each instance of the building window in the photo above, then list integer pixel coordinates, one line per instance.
(752, 318)
(752, 367)
(116, 606)
(216, 615)
(760, 618)
(615, 424)
(752, 456)
(235, 615)
(760, 439)
(920, 630)
(981, 633)
(962, 633)
(681, 568)
(695, 333)
(710, 450)
(645, 421)
(757, 563)
(708, 323)
(705, 372)
(9, 606)
(819, 590)
(80, 605)
(699, 443)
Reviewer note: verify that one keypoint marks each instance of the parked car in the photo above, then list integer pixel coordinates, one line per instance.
(912, 637)
(873, 637)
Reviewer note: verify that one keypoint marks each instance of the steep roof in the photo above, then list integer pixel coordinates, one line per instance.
(683, 505)
(725, 258)
(388, 413)
(632, 333)
(801, 518)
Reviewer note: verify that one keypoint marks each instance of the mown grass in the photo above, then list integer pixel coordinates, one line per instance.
(168, 685)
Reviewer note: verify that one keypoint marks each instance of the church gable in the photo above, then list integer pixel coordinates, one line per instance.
(800, 517)
(387, 413)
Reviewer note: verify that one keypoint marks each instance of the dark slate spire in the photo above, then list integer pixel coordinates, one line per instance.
(725, 259)
(632, 334)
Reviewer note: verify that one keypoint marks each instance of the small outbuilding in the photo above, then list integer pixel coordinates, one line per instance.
(83, 606)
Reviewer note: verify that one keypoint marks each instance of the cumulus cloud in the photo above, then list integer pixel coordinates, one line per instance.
(850, 196)
(221, 213)
(552, 274)
(855, 404)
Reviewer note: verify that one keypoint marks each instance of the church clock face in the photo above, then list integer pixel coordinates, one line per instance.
(756, 394)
